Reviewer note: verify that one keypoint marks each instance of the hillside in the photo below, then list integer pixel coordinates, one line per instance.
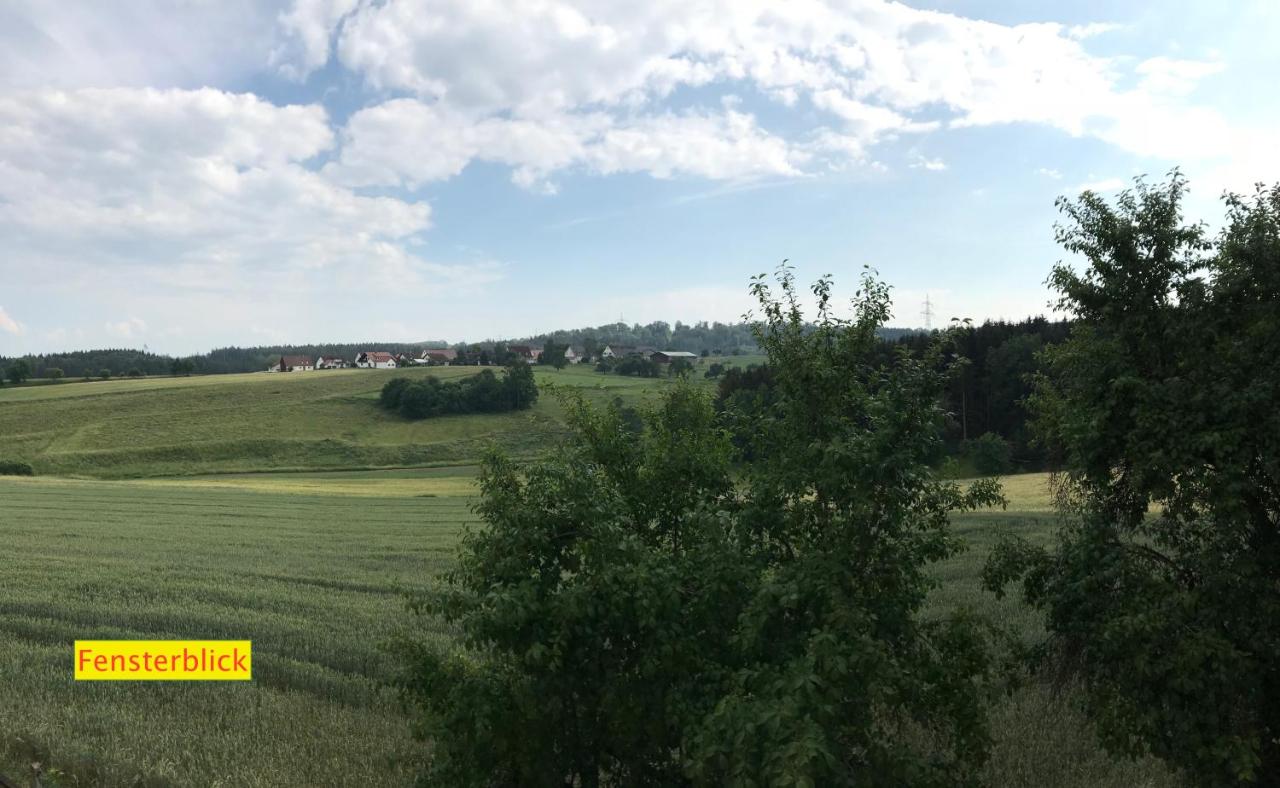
(259, 421)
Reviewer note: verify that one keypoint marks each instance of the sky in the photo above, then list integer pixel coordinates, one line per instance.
(197, 174)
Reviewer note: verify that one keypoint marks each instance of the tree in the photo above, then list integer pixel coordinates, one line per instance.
(990, 454)
(553, 354)
(681, 367)
(521, 388)
(484, 358)
(19, 371)
(104, 373)
(639, 609)
(135, 373)
(715, 370)
(1165, 394)
(54, 374)
(182, 366)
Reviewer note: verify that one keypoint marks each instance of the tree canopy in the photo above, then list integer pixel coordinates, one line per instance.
(1164, 587)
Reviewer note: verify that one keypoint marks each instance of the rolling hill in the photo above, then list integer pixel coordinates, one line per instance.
(259, 421)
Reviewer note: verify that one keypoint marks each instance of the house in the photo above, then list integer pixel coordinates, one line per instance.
(573, 354)
(331, 362)
(436, 356)
(667, 356)
(527, 353)
(294, 364)
(375, 359)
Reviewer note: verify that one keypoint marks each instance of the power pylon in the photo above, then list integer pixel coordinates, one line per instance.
(927, 314)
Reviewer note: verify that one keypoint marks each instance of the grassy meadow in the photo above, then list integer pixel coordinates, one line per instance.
(268, 422)
(243, 507)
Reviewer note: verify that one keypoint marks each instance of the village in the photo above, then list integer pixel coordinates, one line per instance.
(530, 354)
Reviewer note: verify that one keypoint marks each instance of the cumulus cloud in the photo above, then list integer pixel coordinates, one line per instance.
(205, 185)
(409, 142)
(559, 84)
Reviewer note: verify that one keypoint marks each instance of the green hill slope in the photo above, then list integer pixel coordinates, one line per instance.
(260, 421)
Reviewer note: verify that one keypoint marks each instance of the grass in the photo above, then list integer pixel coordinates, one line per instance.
(265, 422)
(313, 568)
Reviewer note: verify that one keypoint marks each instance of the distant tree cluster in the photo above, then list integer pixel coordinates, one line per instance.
(482, 393)
(638, 366)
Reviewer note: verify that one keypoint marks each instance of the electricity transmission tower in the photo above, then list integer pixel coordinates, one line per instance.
(927, 314)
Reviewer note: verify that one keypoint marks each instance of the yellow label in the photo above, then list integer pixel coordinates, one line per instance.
(163, 660)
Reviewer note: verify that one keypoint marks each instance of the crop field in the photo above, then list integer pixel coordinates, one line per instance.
(314, 568)
(269, 422)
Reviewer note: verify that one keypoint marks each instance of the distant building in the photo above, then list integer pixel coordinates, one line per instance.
(526, 353)
(622, 351)
(332, 362)
(436, 356)
(375, 359)
(667, 356)
(293, 364)
(573, 354)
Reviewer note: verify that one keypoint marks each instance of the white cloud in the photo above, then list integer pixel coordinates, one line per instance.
(1049, 172)
(1102, 185)
(409, 142)
(1171, 76)
(127, 328)
(9, 325)
(580, 83)
(204, 186)
(920, 162)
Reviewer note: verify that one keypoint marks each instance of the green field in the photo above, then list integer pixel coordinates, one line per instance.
(268, 422)
(314, 568)
(244, 507)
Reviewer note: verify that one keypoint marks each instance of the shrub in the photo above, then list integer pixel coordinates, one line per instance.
(990, 454)
(15, 468)
(640, 609)
(54, 373)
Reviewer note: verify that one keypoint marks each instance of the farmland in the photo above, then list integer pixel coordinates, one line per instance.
(245, 507)
(264, 422)
(314, 568)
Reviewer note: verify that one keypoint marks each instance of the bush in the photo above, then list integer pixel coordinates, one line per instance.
(135, 373)
(483, 393)
(105, 374)
(642, 609)
(15, 468)
(990, 454)
(53, 373)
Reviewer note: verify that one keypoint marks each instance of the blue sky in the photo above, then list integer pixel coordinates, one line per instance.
(201, 174)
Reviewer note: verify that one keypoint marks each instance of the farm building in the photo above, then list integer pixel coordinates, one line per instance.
(436, 356)
(526, 352)
(622, 351)
(331, 362)
(667, 356)
(375, 359)
(293, 364)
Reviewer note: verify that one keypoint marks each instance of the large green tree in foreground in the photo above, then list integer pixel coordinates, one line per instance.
(644, 609)
(1164, 589)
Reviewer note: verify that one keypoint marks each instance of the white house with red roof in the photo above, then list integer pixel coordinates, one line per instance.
(375, 359)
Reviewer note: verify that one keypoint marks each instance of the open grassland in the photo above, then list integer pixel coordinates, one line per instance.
(313, 568)
(264, 422)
